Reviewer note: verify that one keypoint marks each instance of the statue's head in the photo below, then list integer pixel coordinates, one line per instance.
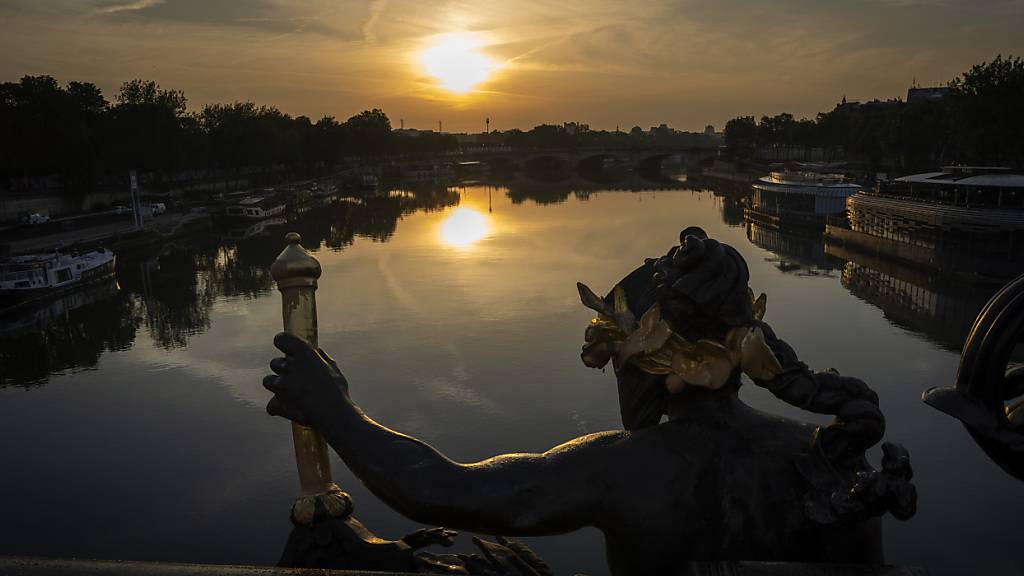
(686, 319)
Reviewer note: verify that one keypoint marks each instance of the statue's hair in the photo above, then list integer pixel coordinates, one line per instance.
(702, 287)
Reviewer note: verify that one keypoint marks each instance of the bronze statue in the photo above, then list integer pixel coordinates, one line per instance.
(716, 480)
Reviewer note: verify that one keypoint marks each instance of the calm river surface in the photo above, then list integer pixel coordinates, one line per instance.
(132, 420)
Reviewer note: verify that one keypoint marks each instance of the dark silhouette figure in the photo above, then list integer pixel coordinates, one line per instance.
(717, 480)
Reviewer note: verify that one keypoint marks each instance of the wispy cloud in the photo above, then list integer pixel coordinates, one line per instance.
(115, 7)
(377, 8)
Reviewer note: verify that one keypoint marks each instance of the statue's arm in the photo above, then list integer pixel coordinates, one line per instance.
(859, 422)
(513, 494)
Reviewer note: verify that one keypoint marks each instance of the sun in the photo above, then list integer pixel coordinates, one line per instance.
(455, 62)
(464, 227)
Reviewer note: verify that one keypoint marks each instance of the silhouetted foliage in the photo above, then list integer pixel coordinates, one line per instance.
(986, 106)
(741, 137)
(979, 121)
(74, 134)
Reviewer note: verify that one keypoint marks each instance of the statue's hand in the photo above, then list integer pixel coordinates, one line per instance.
(430, 536)
(306, 381)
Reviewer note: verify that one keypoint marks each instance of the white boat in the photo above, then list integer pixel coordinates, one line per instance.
(255, 208)
(801, 196)
(41, 273)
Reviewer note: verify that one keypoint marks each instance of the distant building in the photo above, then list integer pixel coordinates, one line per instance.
(412, 132)
(661, 130)
(933, 94)
(574, 128)
(870, 106)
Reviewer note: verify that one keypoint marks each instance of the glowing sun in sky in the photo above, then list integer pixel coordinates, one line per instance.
(455, 62)
(464, 227)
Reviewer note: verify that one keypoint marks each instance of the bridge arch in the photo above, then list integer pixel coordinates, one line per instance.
(596, 162)
(547, 163)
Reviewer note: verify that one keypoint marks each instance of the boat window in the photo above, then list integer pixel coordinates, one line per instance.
(63, 275)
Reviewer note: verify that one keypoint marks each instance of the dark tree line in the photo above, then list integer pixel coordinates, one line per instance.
(979, 121)
(572, 136)
(72, 137)
(73, 133)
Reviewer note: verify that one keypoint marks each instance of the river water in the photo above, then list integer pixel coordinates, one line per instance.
(132, 420)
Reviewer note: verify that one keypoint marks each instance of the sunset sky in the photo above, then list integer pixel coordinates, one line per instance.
(521, 62)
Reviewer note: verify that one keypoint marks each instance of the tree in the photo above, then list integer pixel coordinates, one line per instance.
(148, 127)
(987, 112)
(741, 137)
(369, 132)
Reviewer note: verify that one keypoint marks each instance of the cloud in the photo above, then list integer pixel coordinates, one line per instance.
(377, 8)
(274, 16)
(115, 7)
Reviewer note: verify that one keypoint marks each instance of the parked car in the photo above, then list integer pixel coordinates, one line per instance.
(120, 209)
(34, 219)
(158, 208)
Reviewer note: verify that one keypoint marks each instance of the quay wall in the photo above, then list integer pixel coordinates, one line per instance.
(56, 205)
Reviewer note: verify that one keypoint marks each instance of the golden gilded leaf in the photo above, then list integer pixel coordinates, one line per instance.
(757, 359)
(593, 301)
(651, 334)
(623, 315)
(705, 363)
(760, 305)
(674, 384)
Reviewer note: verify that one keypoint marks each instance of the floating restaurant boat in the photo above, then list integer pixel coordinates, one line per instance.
(30, 275)
(962, 218)
(255, 208)
(799, 198)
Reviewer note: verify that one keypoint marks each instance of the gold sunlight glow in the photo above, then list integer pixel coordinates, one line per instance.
(454, 61)
(464, 227)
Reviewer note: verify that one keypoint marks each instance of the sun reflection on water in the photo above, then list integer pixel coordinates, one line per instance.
(464, 227)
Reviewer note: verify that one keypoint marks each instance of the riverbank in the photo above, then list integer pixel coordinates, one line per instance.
(113, 235)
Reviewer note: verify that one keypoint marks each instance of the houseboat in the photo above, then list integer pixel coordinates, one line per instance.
(39, 274)
(800, 198)
(255, 208)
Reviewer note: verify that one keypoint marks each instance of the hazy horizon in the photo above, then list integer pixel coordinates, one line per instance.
(523, 63)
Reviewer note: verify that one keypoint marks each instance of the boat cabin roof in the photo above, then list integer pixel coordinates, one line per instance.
(966, 176)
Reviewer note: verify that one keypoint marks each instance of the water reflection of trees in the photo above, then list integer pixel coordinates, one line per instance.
(170, 292)
(523, 188)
